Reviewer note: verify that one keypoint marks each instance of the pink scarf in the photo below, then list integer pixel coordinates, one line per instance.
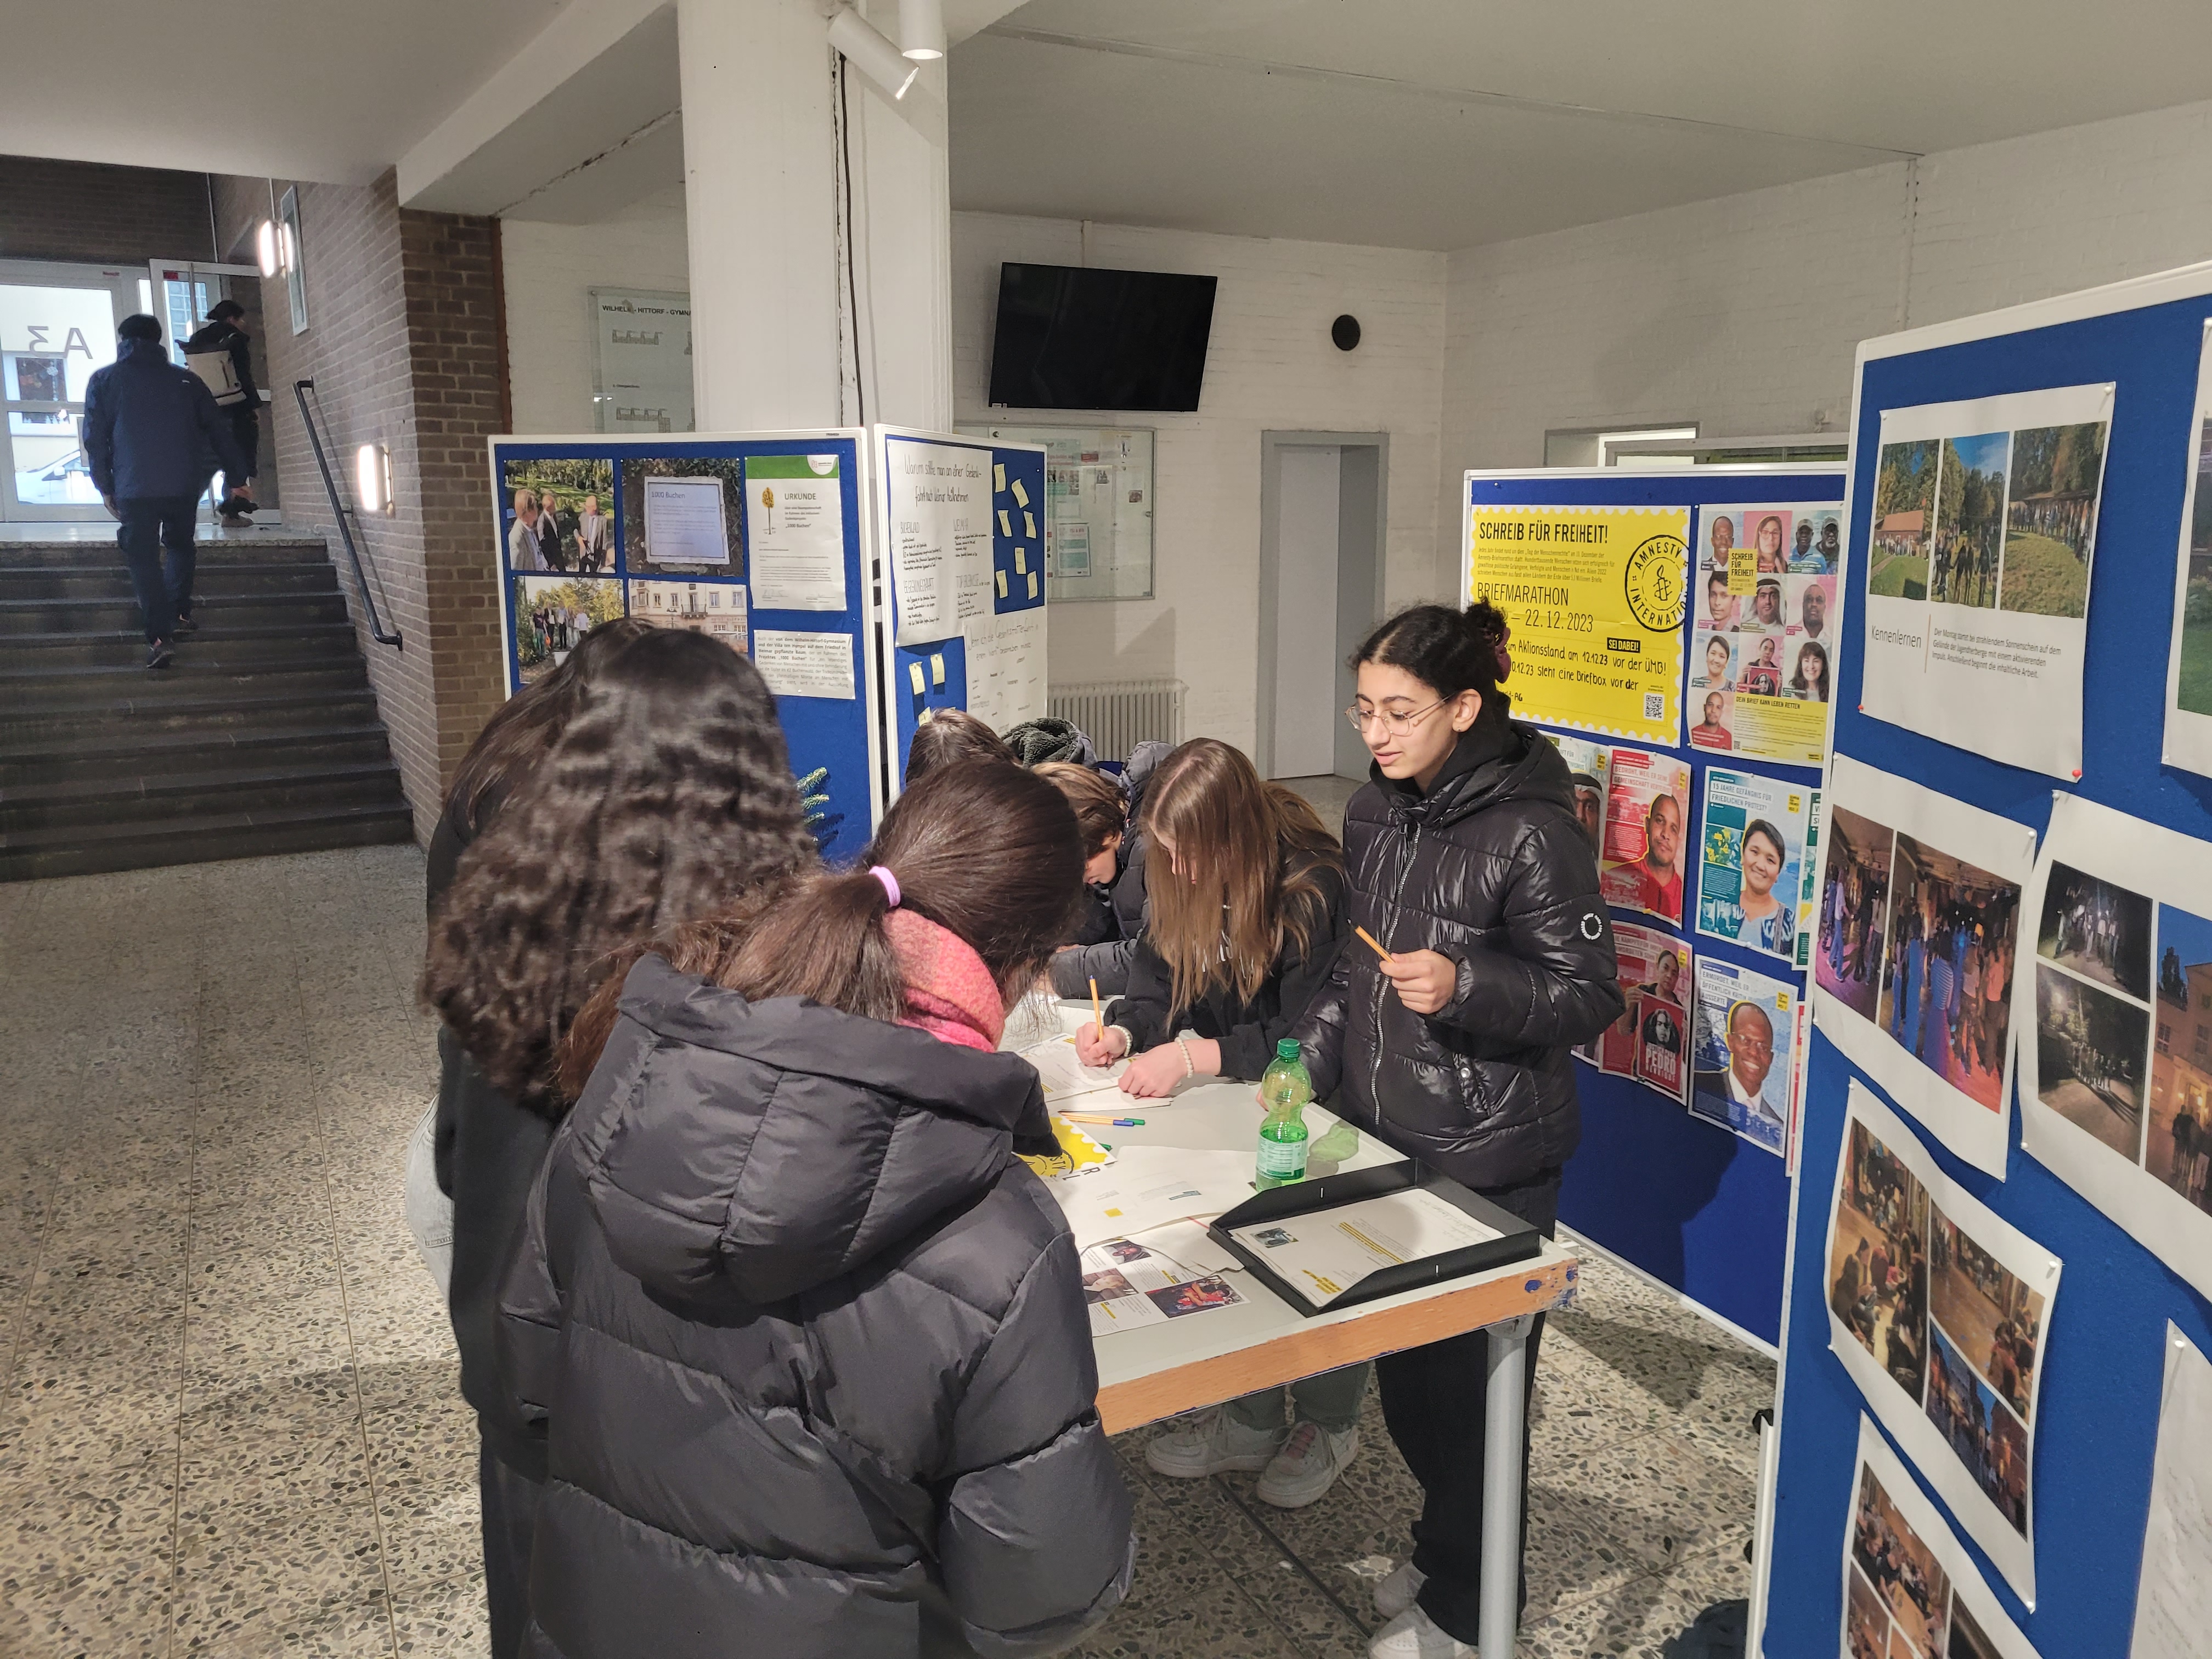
(950, 994)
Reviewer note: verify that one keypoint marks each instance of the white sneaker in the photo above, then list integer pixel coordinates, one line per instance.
(1307, 1466)
(1414, 1635)
(1210, 1443)
(1394, 1594)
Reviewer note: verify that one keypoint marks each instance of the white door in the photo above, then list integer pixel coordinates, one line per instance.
(56, 326)
(1308, 516)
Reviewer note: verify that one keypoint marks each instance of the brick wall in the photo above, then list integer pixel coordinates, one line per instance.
(101, 214)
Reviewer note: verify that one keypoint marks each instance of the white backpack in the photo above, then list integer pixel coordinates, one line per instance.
(215, 368)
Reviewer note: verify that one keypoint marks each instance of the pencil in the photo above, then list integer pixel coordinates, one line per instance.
(1097, 1014)
(1371, 945)
(1100, 1117)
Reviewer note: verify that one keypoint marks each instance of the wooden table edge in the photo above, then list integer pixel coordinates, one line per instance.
(1315, 1348)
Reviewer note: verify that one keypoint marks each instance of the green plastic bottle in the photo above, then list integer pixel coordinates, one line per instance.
(1284, 1089)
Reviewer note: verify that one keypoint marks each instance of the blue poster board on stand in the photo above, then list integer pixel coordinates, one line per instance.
(833, 740)
(927, 673)
(1683, 1201)
(2098, 1410)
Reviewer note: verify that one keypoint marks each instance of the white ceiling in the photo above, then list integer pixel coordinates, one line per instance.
(1440, 124)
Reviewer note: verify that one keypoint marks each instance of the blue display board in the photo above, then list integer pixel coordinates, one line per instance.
(833, 741)
(1015, 506)
(1684, 1200)
(2097, 1414)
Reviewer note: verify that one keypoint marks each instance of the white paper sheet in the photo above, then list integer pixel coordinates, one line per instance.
(1005, 668)
(1128, 1284)
(2189, 708)
(1939, 1309)
(1189, 1242)
(2174, 1597)
(797, 665)
(1895, 1544)
(1064, 1078)
(2110, 1058)
(941, 523)
(684, 522)
(795, 533)
(1150, 1186)
(1967, 863)
(1988, 656)
(1322, 1255)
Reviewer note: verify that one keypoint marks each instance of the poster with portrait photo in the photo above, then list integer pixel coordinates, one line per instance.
(1650, 1040)
(1751, 889)
(1647, 822)
(1744, 1074)
(1588, 764)
(1980, 539)
(1924, 1006)
(1763, 598)
(1940, 1309)
(1911, 1590)
(2116, 1055)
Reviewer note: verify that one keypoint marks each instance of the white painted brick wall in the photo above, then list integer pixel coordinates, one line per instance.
(1271, 366)
(550, 269)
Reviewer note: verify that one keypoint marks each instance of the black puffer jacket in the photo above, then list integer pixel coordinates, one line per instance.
(812, 1348)
(1490, 869)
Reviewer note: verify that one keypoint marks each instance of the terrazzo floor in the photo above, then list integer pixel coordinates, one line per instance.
(229, 1420)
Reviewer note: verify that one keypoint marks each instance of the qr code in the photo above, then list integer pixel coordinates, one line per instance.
(1655, 705)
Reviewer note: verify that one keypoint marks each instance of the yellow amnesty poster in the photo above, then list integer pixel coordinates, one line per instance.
(1594, 595)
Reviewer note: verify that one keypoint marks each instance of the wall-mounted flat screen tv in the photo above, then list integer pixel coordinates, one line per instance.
(1071, 338)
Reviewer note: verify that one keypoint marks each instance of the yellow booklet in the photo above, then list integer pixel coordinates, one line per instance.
(1079, 1152)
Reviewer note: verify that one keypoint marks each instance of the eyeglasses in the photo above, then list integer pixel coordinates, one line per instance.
(1395, 720)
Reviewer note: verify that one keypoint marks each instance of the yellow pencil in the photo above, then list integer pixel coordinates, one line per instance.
(1371, 945)
(1097, 1014)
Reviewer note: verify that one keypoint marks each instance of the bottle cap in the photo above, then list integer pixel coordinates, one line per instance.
(1286, 1048)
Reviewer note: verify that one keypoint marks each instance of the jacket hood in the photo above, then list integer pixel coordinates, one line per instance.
(129, 351)
(763, 1148)
(1486, 769)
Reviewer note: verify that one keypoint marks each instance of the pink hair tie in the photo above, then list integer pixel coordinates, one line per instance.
(890, 882)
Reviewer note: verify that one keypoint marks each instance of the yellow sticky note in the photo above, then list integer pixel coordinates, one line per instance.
(1021, 560)
(1002, 584)
(925, 717)
(913, 672)
(1005, 523)
(1001, 470)
(1033, 584)
(1021, 496)
(1029, 523)
(936, 669)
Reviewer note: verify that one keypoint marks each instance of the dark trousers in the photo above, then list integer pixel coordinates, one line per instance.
(1434, 1399)
(149, 524)
(246, 426)
(510, 1516)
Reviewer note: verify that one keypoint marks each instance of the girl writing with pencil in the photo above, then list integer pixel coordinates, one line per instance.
(1492, 957)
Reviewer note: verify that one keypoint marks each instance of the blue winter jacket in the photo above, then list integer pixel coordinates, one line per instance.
(153, 429)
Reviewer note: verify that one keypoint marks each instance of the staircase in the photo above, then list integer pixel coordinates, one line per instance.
(262, 737)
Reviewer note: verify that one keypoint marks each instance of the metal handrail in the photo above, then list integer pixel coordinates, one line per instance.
(341, 509)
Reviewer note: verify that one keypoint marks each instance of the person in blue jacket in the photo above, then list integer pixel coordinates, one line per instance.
(154, 438)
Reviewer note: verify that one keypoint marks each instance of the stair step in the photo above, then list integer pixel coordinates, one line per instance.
(126, 749)
(245, 647)
(89, 554)
(102, 802)
(25, 691)
(91, 615)
(175, 711)
(85, 850)
(209, 578)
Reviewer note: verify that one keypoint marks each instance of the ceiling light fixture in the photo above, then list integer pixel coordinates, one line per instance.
(921, 29)
(871, 51)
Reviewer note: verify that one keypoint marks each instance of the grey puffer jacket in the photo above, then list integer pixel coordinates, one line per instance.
(1490, 869)
(811, 1347)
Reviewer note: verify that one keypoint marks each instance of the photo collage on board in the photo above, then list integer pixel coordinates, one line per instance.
(2124, 1025)
(1901, 1604)
(560, 558)
(1945, 1320)
(1762, 652)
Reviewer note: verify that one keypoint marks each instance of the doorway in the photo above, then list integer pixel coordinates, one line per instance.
(1321, 524)
(57, 325)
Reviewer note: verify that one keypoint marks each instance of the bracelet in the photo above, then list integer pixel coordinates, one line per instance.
(1189, 1069)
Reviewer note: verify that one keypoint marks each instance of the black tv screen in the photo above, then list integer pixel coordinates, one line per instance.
(1071, 338)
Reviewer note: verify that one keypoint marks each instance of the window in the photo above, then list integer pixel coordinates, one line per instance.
(1597, 445)
(288, 255)
(2165, 1038)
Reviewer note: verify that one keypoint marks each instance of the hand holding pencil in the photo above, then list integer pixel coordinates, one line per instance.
(1425, 981)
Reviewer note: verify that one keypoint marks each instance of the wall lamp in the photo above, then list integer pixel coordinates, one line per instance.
(871, 51)
(266, 245)
(921, 29)
(372, 474)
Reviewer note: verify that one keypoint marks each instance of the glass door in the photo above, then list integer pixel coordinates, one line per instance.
(56, 326)
(183, 292)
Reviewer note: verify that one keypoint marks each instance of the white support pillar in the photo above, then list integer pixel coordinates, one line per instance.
(769, 346)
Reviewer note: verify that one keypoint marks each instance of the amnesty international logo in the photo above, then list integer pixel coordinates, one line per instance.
(1657, 591)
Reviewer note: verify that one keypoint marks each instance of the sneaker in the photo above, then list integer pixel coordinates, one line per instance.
(159, 653)
(236, 521)
(1397, 1593)
(1414, 1635)
(187, 625)
(1307, 1466)
(1209, 1444)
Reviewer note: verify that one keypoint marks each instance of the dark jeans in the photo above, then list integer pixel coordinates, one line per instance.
(246, 426)
(149, 524)
(510, 1516)
(1433, 1399)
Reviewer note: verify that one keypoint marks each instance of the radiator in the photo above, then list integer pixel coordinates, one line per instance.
(1122, 714)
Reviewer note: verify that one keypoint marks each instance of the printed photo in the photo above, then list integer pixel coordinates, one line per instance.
(1588, 763)
(2097, 930)
(1946, 995)
(1649, 1041)
(2050, 524)
(1766, 610)
(1822, 528)
(1989, 1441)
(1752, 860)
(1987, 1311)
(1720, 609)
(1809, 671)
(1908, 1579)
(1275, 1238)
(2192, 646)
(716, 609)
(696, 532)
(1197, 1296)
(1877, 1267)
(1865, 1624)
(553, 613)
(1741, 1071)
(1105, 1286)
(2089, 1047)
(1646, 833)
(1903, 504)
(1715, 709)
(1713, 665)
(1854, 906)
(1968, 1639)
(559, 516)
(1761, 674)
(1121, 1249)
(1969, 512)
(2177, 1148)
(1808, 602)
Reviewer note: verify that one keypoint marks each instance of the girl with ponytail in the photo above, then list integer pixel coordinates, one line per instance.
(1464, 857)
(807, 1340)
